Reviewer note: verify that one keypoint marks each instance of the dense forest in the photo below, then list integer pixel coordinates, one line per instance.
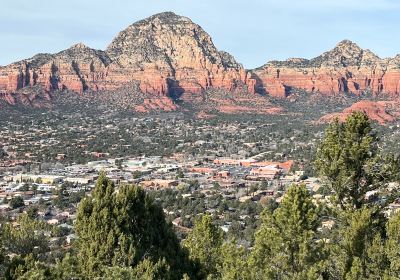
(123, 234)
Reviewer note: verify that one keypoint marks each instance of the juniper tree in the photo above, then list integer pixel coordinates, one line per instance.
(393, 246)
(350, 160)
(357, 245)
(286, 245)
(27, 236)
(234, 265)
(121, 228)
(204, 245)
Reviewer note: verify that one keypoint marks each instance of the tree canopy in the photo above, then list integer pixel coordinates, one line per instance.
(122, 228)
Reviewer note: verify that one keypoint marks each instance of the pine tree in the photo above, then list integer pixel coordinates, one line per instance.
(121, 228)
(145, 270)
(95, 226)
(27, 268)
(66, 269)
(234, 262)
(286, 245)
(3, 259)
(204, 245)
(26, 236)
(377, 260)
(357, 247)
(349, 159)
(393, 246)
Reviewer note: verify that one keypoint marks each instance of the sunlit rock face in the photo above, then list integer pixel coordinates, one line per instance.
(166, 53)
(346, 68)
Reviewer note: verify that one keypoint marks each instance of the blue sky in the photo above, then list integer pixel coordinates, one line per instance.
(254, 31)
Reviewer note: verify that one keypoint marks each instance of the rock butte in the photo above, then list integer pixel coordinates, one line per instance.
(169, 55)
(380, 111)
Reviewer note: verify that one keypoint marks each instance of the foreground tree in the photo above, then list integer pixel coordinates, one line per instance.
(26, 236)
(234, 264)
(145, 270)
(204, 245)
(357, 248)
(393, 246)
(122, 228)
(3, 259)
(286, 245)
(349, 159)
(26, 268)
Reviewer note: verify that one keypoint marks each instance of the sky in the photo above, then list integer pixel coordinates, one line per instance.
(253, 31)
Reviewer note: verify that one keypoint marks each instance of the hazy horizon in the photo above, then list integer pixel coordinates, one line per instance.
(253, 32)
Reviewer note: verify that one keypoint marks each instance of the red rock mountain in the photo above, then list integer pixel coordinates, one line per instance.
(346, 68)
(168, 55)
(165, 53)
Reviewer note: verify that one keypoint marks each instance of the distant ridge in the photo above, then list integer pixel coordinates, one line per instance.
(169, 55)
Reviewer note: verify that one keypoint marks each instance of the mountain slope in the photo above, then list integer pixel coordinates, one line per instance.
(169, 56)
(166, 54)
(346, 68)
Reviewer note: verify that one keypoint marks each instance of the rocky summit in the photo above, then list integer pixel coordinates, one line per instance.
(168, 55)
(346, 68)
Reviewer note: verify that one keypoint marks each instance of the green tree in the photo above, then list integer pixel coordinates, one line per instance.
(27, 268)
(3, 259)
(234, 262)
(121, 228)
(32, 212)
(349, 159)
(25, 236)
(204, 245)
(145, 270)
(356, 270)
(357, 247)
(377, 259)
(16, 202)
(286, 245)
(67, 268)
(393, 246)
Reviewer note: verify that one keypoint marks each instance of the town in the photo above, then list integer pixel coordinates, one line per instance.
(231, 168)
(233, 190)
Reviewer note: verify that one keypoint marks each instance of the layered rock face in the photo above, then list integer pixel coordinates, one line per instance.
(346, 68)
(169, 53)
(78, 68)
(166, 53)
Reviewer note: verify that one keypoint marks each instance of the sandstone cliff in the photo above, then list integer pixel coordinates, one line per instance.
(346, 68)
(166, 54)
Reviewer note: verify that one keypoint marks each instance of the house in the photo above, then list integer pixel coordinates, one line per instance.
(80, 180)
(269, 172)
(284, 166)
(223, 174)
(202, 170)
(45, 179)
(158, 183)
(237, 162)
(60, 156)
